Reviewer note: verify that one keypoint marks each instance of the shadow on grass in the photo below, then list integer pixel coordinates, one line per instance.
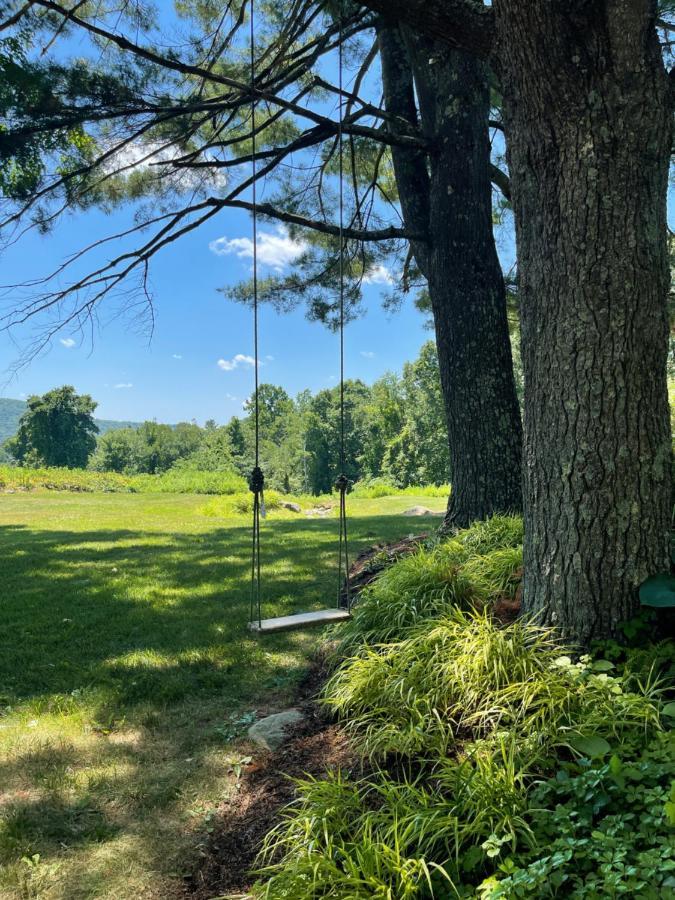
(143, 633)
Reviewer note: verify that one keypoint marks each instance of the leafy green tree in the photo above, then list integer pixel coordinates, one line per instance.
(214, 453)
(57, 429)
(150, 449)
(384, 414)
(116, 451)
(324, 432)
(418, 453)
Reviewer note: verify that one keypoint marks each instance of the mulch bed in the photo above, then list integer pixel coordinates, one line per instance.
(265, 788)
(372, 561)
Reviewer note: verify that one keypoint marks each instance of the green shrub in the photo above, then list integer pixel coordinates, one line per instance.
(189, 481)
(242, 503)
(374, 488)
(383, 837)
(478, 716)
(464, 673)
(477, 565)
(604, 831)
(175, 481)
(55, 479)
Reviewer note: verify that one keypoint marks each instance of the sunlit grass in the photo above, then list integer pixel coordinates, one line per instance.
(123, 653)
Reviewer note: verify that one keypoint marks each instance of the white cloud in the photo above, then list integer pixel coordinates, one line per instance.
(176, 356)
(368, 354)
(123, 384)
(141, 156)
(270, 358)
(68, 342)
(241, 359)
(378, 275)
(276, 250)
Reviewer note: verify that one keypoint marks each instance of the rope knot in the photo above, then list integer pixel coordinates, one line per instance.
(256, 481)
(342, 483)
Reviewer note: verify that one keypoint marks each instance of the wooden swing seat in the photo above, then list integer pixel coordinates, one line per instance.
(299, 620)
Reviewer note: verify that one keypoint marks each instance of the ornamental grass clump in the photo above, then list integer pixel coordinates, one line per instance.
(476, 567)
(381, 836)
(465, 676)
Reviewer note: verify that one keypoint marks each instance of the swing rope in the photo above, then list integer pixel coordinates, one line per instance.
(342, 482)
(257, 479)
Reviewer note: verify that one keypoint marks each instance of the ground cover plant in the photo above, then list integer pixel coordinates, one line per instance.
(175, 481)
(128, 677)
(500, 763)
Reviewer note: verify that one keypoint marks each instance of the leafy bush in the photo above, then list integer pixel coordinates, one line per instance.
(604, 831)
(383, 837)
(481, 563)
(374, 488)
(466, 674)
(76, 480)
(189, 481)
(175, 481)
(242, 503)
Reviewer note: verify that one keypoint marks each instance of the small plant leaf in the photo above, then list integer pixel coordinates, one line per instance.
(590, 745)
(658, 591)
(669, 709)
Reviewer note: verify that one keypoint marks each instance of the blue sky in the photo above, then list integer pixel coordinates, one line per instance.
(193, 366)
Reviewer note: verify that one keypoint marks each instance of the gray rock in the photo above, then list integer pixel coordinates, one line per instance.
(417, 511)
(271, 732)
(294, 507)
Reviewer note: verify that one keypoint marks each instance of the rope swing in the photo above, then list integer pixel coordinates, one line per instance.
(257, 478)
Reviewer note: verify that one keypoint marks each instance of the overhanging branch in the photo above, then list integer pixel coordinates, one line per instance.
(376, 234)
(461, 24)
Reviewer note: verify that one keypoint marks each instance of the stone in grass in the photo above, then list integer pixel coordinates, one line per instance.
(294, 507)
(271, 732)
(420, 511)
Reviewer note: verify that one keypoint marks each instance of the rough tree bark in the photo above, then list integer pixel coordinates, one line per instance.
(449, 196)
(588, 124)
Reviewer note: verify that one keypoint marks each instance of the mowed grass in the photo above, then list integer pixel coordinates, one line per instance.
(128, 676)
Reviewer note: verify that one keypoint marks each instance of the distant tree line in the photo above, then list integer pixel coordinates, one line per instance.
(394, 429)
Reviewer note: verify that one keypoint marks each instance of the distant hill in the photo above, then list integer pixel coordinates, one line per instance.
(11, 410)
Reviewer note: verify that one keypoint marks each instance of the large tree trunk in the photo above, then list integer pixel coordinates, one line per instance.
(450, 196)
(588, 128)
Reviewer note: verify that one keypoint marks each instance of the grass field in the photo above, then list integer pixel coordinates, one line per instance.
(127, 675)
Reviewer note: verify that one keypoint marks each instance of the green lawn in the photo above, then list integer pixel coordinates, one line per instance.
(127, 672)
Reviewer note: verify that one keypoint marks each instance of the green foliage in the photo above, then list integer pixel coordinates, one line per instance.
(176, 481)
(465, 673)
(56, 429)
(386, 837)
(478, 564)
(473, 719)
(149, 449)
(372, 488)
(658, 591)
(188, 481)
(602, 831)
(241, 503)
(73, 480)
(417, 452)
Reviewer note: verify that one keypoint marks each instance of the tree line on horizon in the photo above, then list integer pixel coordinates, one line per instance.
(395, 430)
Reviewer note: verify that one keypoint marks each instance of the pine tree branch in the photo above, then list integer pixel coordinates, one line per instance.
(461, 24)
